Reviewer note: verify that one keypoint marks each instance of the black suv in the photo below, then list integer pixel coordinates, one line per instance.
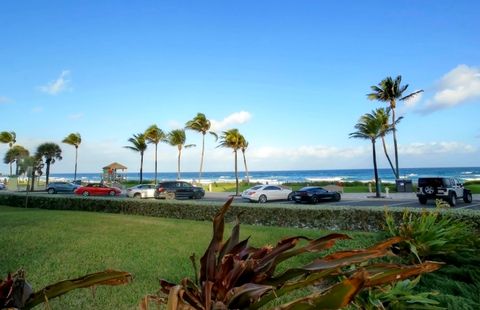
(178, 190)
(448, 189)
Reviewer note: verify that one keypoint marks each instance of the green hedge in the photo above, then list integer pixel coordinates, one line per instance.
(304, 216)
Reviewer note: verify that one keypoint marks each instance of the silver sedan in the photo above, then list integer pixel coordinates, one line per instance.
(141, 191)
(264, 193)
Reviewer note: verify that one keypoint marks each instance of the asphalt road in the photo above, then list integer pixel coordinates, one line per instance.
(400, 200)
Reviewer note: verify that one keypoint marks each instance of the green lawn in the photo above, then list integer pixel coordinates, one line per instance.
(55, 245)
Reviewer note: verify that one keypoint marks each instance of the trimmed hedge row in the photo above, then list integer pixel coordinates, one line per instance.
(319, 217)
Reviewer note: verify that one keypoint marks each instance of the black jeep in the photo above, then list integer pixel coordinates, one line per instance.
(448, 189)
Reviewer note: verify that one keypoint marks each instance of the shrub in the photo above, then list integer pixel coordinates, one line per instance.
(429, 235)
(234, 275)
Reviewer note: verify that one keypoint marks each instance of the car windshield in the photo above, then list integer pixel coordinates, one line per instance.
(256, 187)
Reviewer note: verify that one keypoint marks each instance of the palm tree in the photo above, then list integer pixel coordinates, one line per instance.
(155, 135)
(232, 139)
(369, 127)
(202, 125)
(243, 148)
(74, 139)
(391, 91)
(10, 138)
(178, 138)
(383, 116)
(49, 152)
(14, 155)
(31, 165)
(139, 145)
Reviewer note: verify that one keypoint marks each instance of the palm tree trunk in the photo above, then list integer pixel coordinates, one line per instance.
(388, 157)
(32, 186)
(76, 157)
(47, 173)
(397, 174)
(11, 162)
(141, 167)
(178, 162)
(156, 147)
(246, 169)
(16, 167)
(201, 159)
(375, 171)
(236, 173)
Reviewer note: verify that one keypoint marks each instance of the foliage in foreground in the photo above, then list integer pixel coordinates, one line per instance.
(234, 275)
(16, 292)
(429, 235)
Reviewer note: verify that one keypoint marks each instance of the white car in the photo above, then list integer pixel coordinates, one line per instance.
(141, 191)
(264, 193)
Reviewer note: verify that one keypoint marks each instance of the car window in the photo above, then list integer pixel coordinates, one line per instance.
(256, 187)
(272, 188)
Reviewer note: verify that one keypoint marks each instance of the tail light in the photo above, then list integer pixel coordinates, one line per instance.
(161, 189)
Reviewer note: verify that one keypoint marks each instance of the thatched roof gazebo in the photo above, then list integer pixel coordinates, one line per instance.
(111, 172)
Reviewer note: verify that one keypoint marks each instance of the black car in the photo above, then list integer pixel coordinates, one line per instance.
(178, 190)
(314, 194)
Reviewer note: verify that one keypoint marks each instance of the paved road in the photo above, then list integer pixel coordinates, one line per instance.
(355, 200)
(366, 200)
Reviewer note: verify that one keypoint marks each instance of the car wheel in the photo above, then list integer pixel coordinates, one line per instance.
(111, 193)
(337, 197)
(467, 197)
(290, 197)
(452, 199)
(51, 191)
(314, 199)
(137, 195)
(85, 193)
(262, 199)
(429, 190)
(422, 200)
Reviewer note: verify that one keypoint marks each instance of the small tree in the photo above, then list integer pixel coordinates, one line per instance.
(202, 125)
(155, 135)
(74, 139)
(14, 155)
(49, 152)
(178, 138)
(232, 139)
(369, 127)
(138, 145)
(10, 138)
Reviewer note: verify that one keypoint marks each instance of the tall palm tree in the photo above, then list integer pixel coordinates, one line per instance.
(155, 135)
(391, 91)
(232, 139)
(10, 138)
(202, 125)
(369, 127)
(74, 139)
(14, 155)
(139, 145)
(178, 138)
(243, 148)
(383, 116)
(49, 152)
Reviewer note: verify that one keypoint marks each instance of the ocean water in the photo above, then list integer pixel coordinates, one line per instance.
(279, 177)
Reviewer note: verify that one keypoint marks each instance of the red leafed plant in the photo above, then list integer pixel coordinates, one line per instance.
(234, 275)
(17, 293)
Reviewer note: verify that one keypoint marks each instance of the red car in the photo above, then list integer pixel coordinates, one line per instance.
(97, 189)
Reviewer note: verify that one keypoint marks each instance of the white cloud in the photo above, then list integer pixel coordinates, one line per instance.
(421, 148)
(175, 125)
(231, 120)
(57, 86)
(412, 102)
(460, 85)
(307, 151)
(75, 116)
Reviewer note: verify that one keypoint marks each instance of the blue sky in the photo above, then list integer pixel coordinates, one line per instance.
(292, 76)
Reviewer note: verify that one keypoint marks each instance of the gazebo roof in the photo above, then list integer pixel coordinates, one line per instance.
(115, 166)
